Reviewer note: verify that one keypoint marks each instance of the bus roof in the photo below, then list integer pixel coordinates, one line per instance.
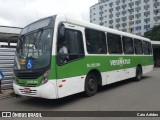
(98, 27)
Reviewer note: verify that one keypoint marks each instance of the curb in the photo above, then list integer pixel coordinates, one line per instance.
(6, 95)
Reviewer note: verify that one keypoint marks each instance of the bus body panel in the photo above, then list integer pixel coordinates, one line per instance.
(72, 75)
(147, 69)
(47, 90)
(68, 86)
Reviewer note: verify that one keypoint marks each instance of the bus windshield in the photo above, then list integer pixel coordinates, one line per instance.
(34, 50)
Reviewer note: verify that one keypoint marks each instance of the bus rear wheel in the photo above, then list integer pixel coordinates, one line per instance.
(91, 85)
(138, 74)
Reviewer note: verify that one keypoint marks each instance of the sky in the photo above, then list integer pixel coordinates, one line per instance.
(19, 13)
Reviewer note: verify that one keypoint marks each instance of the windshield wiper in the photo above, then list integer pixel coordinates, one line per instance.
(20, 43)
(35, 39)
(39, 30)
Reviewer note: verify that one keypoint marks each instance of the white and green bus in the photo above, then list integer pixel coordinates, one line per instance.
(59, 56)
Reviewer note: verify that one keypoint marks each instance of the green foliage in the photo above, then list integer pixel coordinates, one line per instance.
(153, 34)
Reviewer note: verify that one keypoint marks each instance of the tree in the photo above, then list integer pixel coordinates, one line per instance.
(153, 34)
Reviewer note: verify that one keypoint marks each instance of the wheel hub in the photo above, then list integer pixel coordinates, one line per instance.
(91, 84)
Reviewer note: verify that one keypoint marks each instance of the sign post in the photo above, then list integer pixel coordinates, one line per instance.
(1, 77)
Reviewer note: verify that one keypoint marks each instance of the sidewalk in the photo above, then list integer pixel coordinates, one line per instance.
(7, 94)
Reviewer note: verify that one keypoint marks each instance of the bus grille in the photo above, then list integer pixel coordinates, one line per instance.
(27, 85)
(32, 92)
(28, 75)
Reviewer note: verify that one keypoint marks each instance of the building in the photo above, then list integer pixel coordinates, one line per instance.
(8, 34)
(8, 41)
(133, 16)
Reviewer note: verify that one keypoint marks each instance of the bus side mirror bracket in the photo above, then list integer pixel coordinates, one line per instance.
(61, 31)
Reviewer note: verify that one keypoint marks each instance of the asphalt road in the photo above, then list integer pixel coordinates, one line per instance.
(127, 95)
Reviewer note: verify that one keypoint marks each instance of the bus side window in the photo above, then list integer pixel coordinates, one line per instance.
(138, 47)
(95, 41)
(146, 48)
(114, 43)
(128, 45)
(71, 47)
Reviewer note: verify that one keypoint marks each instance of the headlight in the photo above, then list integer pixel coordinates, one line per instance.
(45, 78)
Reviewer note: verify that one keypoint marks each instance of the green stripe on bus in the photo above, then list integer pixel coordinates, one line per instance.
(101, 63)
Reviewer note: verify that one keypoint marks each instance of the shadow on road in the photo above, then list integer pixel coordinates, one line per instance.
(45, 103)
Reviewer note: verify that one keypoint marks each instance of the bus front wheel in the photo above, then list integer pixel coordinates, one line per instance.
(138, 74)
(91, 85)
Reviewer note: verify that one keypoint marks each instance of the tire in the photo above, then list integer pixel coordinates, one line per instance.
(138, 74)
(91, 85)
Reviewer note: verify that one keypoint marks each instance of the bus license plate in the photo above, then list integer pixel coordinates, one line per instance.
(27, 90)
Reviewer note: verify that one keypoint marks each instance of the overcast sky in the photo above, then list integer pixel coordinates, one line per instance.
(19, 13)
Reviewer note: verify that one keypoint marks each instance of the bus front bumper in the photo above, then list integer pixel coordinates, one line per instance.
(47, 90)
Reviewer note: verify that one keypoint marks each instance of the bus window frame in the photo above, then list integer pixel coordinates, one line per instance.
(105, 35)
(141, 46)
(61, 64)
(122, 53)
(132, 46)
(148, 46)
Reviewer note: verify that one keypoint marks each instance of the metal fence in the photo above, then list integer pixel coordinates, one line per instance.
(6, 66)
